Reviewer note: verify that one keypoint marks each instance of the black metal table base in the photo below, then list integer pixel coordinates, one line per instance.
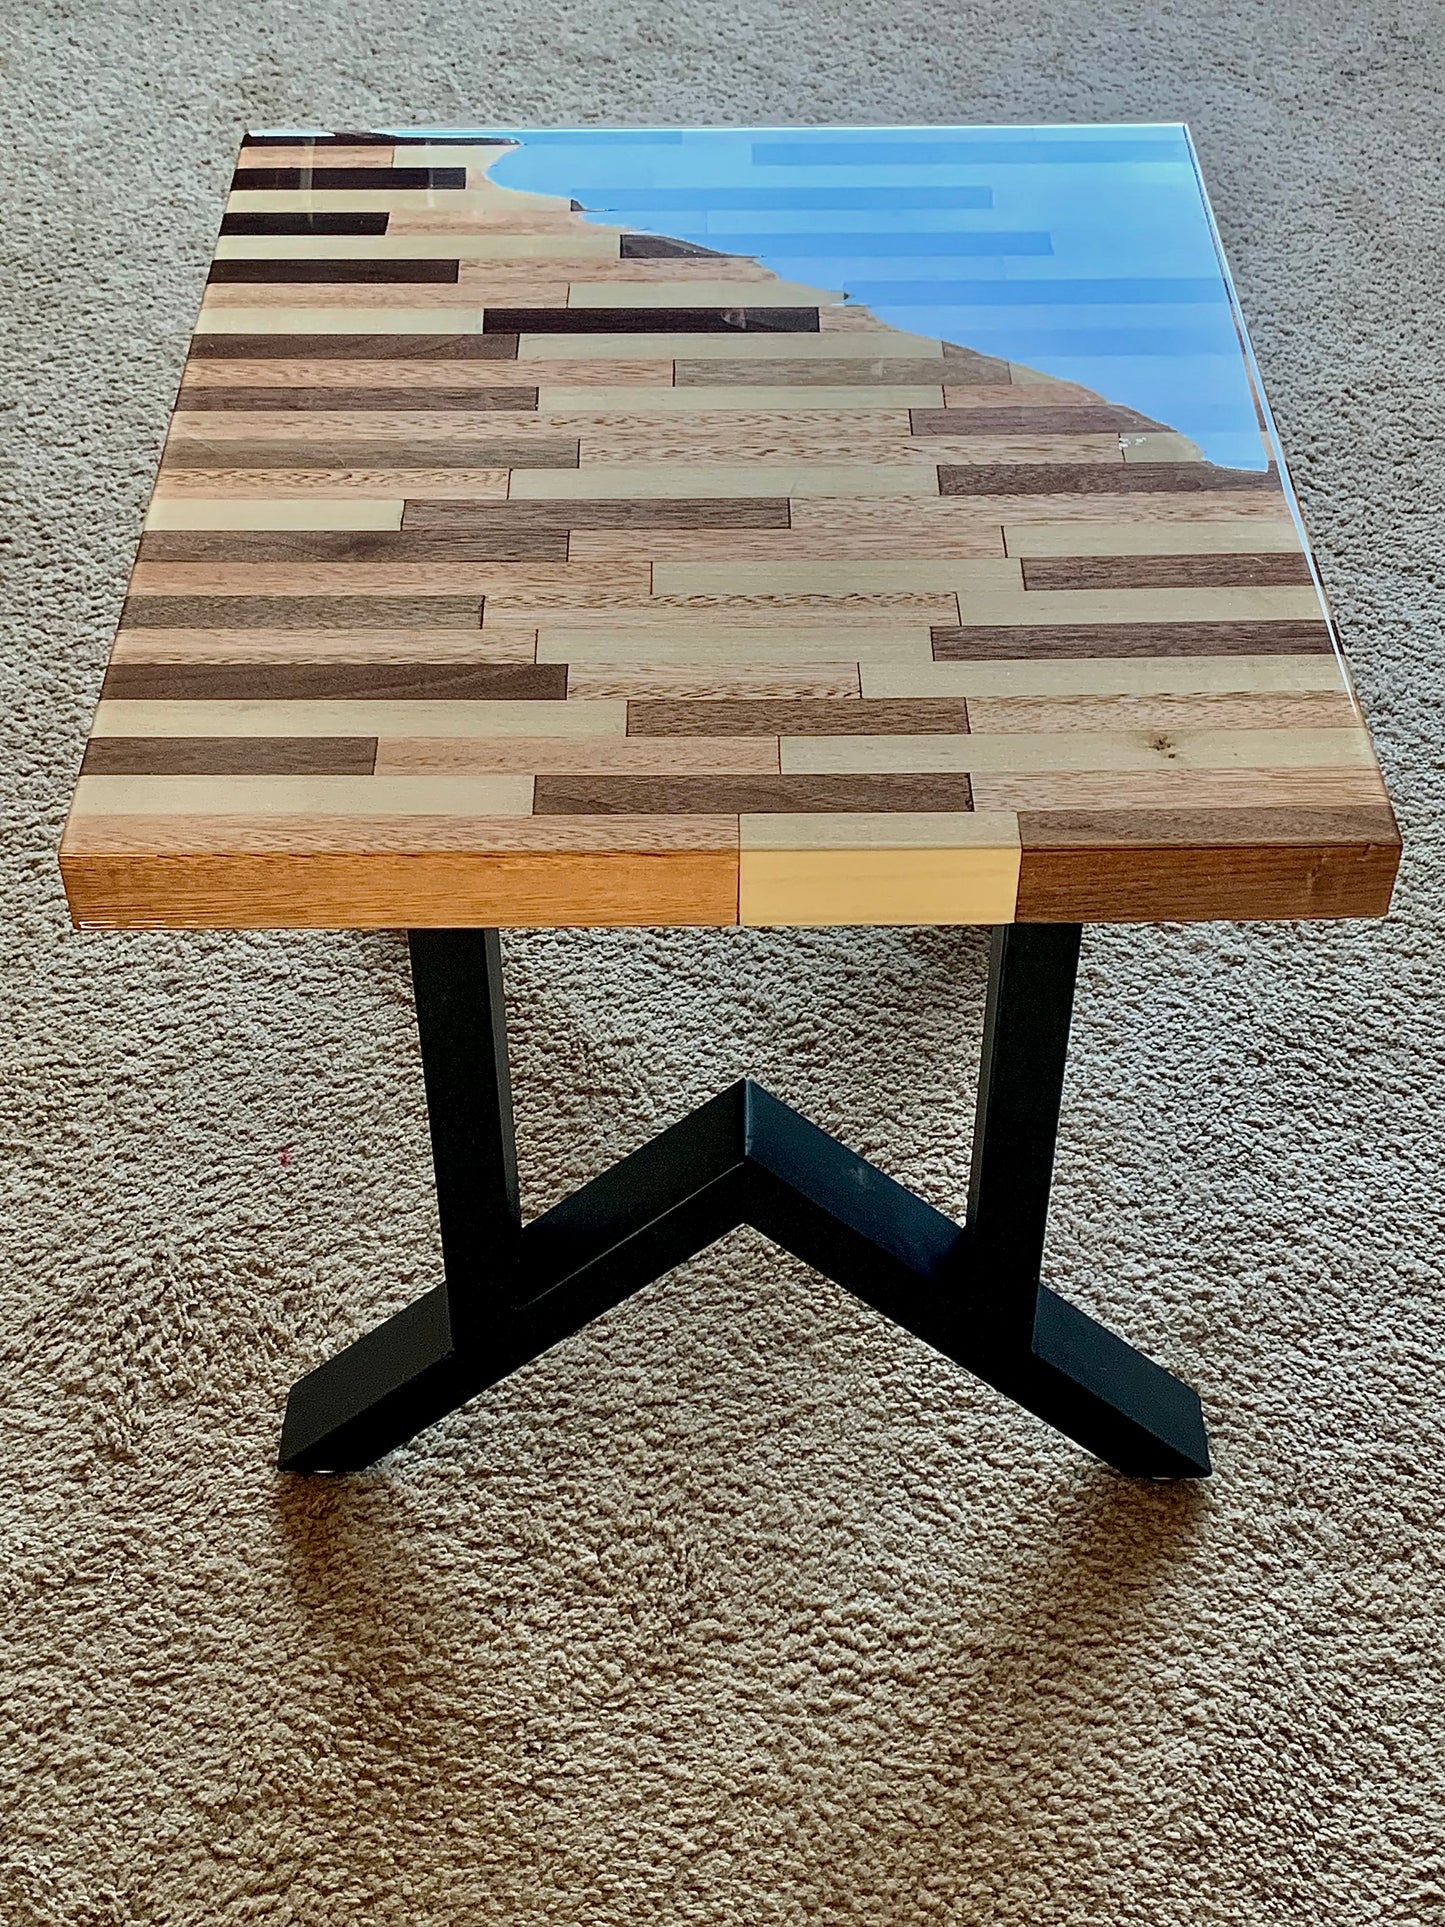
(972, 1292)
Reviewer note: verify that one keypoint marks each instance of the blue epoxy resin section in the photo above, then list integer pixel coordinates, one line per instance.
(1087, 253)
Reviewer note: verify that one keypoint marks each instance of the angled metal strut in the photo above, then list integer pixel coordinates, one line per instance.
(512, 1290)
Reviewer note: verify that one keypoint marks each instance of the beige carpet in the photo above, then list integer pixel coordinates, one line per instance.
(742, 1607)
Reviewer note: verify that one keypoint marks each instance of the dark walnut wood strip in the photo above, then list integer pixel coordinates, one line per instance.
(1145, 866)
(380, 347)
(318, 681)
(1288, 570)
(304, 223)
(661, 247)
(1099, 478)
(403, 453)
(353, 545)
(986, 642)
(1083, 419)
(745, 795)
(458, 401)
(754, 512)
(850, 372)
(650, 321)
(229, 756)
(301, 612)
(224, 273)
(869, 716)
(274, 179)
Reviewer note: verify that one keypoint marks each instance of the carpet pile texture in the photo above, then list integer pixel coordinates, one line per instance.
(742, 1607)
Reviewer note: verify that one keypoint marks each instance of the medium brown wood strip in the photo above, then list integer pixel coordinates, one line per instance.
(1076, 418)
(1215, 829)
(752, 512)
(419, 888)
(229, 756)
(353, 545)
(494, 346)
(1213, 570)
(357, 681)
(1031, 715)
(1100, 478)
(660, 247)
(1003, 642)
(1146, 866)
(277, 833)
(875, 717)
(747, 795)
(195, 399)
(299, 612)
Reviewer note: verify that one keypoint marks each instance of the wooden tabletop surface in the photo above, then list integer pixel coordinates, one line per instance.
(507, 567)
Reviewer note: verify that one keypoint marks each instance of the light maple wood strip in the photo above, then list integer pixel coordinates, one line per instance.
(273, 485)
(1063, 750)
(721, 546)
(1047, 606)
(1160, 447)
(677, 481)
(850, 611)
(490, 643)
(312, 154)
(581, 756)
(591, 402)
(756, 345)
(594, 681)
(636, 378)
(680, 292)
(428, 889)
(264, 319)
(435, 426)
(1121, 676)
(834, 578)
(1245, 537)
(640, 275)
(725, 647)
(879, 830)
(861, 439)
(478, 157)
(562, 585)
(479, 219)
(792, 888)
(357, 716)
(1303, 709)
(373, 299)
(302, 795)
(308, 512)
(581, 248)
(845, 516)
(1183, 789)
(378, 200)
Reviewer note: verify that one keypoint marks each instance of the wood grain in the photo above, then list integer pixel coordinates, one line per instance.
(507, 565)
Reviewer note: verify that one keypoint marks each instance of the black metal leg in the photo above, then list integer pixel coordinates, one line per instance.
(461, 1018)
(971, 1291)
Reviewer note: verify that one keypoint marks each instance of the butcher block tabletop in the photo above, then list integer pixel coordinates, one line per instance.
(833, 526)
